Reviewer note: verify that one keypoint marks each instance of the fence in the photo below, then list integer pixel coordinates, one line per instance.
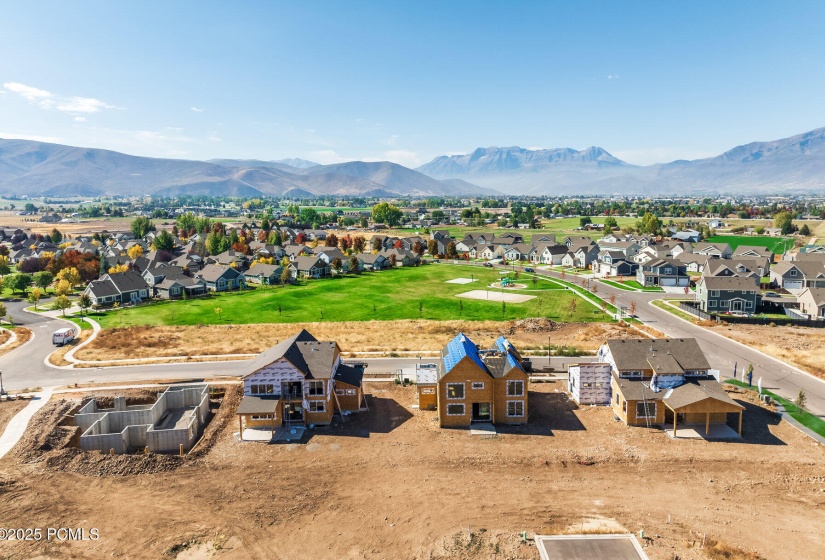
(733, 319)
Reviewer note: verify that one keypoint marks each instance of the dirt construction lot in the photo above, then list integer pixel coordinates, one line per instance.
(390, 484)
(800, 346)
(366, 336)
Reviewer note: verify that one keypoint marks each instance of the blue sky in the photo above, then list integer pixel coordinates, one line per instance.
(406, 81)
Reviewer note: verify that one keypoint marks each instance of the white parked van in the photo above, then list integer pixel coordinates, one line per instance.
(63, 336)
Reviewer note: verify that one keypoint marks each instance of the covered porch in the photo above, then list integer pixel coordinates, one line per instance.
(258, 413)
(701, 410)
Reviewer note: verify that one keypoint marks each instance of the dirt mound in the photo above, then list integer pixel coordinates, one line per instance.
(533, 325)
(51, 442)
(94, 463)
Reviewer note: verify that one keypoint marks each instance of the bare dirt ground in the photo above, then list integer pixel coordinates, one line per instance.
(372, 336)
(12, 220)
(800, 346)
(23, 336)
(390, 484)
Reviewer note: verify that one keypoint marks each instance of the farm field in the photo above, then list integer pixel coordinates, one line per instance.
(377, 478)
(405, 293)
(776, 244)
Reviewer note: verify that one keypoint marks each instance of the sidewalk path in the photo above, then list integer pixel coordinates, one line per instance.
(17, 426)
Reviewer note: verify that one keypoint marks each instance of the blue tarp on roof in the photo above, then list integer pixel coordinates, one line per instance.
(504, 346)
(458, 348)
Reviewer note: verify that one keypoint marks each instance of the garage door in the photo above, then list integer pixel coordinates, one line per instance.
(667, 282)
(793, 285)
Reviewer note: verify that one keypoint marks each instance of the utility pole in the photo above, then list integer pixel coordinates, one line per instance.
(2, 391)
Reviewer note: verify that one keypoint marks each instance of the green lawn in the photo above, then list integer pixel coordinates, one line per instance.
(388, 295)
(807, 419)
(776, 244)
(675, 310)
(84, 326)
(619, 285)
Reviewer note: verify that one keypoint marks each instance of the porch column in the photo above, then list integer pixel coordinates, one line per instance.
(740, 423)
(273, 425)
(707, 423)
(674, 423)
(240, 426)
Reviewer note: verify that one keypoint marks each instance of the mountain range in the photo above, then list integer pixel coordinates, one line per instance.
(789, 165)
(38, 168)
(795, 164)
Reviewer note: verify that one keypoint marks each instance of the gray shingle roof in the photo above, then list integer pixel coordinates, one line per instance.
(729, 283)
(633, 354)
(312, 358)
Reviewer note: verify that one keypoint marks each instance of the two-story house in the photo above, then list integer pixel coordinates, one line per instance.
(300, 382)
(723, 294)
(475, 385)
(667, 382)
(663, 272)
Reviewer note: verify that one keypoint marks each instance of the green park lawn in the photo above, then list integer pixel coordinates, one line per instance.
(388, 295)
(776, 244)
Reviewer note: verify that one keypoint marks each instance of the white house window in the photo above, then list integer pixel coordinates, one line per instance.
(515, 408)
(748, 305)
(723, 303)
(515, 388)
(712, 303)
(792, 272)
(646, 410)
(478, 385)
(339, 392)
(351, 392)
(315, 388)
(455, 391)
(714, 293)
(630, 374)
(455, 410)
(317, 406)
(668, 270)
(261, 417)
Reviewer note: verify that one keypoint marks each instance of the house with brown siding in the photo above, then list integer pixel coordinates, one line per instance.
(301, 381)
(476, 385)
(666, 382)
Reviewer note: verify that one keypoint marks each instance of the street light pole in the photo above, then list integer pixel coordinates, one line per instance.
(2, 391)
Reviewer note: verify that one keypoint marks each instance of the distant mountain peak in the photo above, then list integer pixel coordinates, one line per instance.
(496, 160)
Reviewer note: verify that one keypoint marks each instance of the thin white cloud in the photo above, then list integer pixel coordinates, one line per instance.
(196, 109)
(80, 119)
(48, 100)
(32, 137)
(612, 76)
(28, 92)
(82, 105)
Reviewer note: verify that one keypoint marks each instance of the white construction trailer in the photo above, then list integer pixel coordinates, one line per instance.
(589, 383)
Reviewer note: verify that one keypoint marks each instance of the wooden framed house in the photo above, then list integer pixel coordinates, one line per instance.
(666, 382)
(301, 381)
(480, 386)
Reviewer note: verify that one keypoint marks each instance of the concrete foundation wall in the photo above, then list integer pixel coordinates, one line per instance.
(124, 428)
